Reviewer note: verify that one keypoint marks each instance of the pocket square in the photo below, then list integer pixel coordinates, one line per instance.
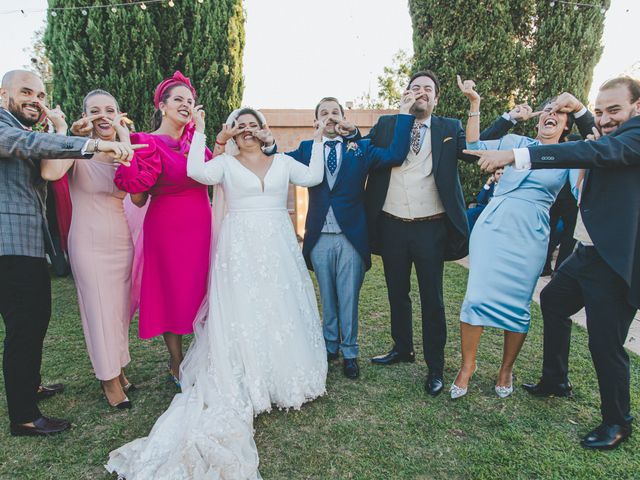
(447, 139)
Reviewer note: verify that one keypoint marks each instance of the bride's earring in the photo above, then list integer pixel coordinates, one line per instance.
(164, 113)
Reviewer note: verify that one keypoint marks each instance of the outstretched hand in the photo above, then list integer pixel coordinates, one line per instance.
(320, 125)
(406, 101)
(119, 123)
(84, 126)
(198, 116)
(523, 112)
(468, 90)
(121, 153)
(567, 103)
(264, 135)
(491, 160)
(55, 116)
(228, 132)
(344, 128)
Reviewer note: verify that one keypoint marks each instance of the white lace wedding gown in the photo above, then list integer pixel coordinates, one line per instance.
(257, 343)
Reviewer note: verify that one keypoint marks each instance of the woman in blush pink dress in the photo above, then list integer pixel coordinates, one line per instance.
(100, 248)
(177, 226)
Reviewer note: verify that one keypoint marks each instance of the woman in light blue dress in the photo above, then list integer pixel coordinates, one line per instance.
(508, 245)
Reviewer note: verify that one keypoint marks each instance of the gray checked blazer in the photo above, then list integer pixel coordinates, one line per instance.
(23, 225)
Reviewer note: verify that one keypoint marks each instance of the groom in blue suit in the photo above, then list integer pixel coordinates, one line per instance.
(336, 244)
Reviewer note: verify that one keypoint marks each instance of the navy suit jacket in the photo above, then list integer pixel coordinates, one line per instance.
(610, 203)
(447, 142)
(347, 196)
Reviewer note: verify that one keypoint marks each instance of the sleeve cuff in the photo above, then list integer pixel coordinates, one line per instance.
(349, 137)
(486, 187)
(270, 149)
(83, 152)
(507, 117)
(522, 159)
(580, 112)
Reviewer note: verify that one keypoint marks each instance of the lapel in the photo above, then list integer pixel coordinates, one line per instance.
(437, 135)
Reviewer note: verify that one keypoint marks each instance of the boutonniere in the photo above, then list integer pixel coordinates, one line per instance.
(353, 146)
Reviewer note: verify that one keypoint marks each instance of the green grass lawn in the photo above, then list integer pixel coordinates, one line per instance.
(381, 426)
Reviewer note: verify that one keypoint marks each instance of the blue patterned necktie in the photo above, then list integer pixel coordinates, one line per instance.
(332, 159)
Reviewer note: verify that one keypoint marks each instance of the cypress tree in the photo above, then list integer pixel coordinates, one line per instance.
(128, 51)
(478, 40)
(566, 49)
(515, 50)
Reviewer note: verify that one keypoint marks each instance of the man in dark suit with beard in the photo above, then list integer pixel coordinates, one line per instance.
(603, 274)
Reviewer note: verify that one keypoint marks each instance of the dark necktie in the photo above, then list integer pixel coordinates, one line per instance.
(332, 159)
(415, 136)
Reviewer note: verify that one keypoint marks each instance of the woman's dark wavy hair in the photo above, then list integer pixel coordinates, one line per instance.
(156, 120)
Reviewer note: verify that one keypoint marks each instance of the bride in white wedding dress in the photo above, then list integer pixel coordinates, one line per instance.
(258, 342)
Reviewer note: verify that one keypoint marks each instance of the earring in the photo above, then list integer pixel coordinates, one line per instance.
(164, 113)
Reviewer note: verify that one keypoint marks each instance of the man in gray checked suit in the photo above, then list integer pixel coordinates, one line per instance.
(25, 287)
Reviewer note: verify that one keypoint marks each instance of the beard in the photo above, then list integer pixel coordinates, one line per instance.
(16, 111)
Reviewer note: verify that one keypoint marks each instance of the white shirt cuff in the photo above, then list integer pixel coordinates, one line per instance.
(522, 159)
(352, 135)
(580, 112)
(84, 149)
(486, 187)
(270, 149)
(506, 116)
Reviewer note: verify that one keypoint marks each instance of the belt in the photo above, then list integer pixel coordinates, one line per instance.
(437, 216)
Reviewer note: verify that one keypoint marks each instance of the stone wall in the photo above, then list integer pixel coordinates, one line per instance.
(290, 127)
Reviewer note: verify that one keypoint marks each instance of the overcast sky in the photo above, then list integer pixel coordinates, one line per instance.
(299, 50)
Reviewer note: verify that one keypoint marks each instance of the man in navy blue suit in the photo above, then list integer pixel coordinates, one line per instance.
(336, 245)
(603, 273)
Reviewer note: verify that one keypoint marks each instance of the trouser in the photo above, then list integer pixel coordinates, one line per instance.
(339, 269)
(25, 305)
(420, 243)
(585, 280)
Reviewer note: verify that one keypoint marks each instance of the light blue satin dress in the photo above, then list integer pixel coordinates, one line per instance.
(508, 245)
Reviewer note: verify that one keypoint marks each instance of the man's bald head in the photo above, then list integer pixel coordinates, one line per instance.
(20, 92)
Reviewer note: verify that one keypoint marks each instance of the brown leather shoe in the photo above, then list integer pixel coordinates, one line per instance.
(47, 391)
(42, 426)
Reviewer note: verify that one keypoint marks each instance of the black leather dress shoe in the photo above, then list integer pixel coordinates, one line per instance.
(332, 356)
(47, 391)
(394, 357)
(606, 436)
(41, 427)
(545, 389)
(350, 368)
(434, 385)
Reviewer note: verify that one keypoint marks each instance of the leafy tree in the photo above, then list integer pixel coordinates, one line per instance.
(515, 50)
(128, 50)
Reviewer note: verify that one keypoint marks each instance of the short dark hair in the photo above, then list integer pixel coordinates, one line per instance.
(632, 84)
(328, 99)
(426, 73)
(570, 120)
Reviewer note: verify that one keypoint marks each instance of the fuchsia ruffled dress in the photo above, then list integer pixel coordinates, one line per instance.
(176, 235)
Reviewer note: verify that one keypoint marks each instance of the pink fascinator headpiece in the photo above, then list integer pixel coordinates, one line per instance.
(177, 79)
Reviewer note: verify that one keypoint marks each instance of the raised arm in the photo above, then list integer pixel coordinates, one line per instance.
(473, 121)
(18, 143)
(211, 172)
(311, 175)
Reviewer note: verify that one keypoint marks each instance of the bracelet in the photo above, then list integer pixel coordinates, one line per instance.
(95, 145)
(473, 114)
(221, 144)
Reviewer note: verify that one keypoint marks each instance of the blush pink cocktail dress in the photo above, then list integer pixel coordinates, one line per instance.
(100, 253)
